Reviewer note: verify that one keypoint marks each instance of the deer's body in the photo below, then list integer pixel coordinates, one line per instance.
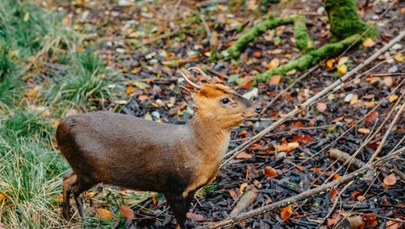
(130, 152)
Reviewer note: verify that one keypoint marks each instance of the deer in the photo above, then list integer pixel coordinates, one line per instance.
(138, 154)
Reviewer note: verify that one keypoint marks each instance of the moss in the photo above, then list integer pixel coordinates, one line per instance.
(345, 21)
(255, 31)
(309, 59)
(301, 37)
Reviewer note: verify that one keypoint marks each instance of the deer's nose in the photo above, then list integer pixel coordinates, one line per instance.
(258, 109)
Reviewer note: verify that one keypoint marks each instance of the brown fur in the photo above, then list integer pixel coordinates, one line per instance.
(129, 152)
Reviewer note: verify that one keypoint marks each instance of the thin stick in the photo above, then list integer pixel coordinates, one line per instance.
(394, 121)
(310, 101)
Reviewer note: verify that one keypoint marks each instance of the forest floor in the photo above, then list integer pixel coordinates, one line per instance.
(143, 44)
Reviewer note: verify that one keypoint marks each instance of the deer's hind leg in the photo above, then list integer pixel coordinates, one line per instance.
(76, 185)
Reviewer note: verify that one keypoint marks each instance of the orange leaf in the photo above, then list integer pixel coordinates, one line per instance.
(368, 43)
(243, 155)
(127, 212)
(333, 193)
(336, 176)
(390, 180)
(243, 133)
(270, 172)
(287, 147)
(321, 107)
(363, 131)
(354, 100)
(388, 81)
(286, 212)
(130, 89)
(330, 63)
(247, 83)
(372, 116)
(274, 63)
(371, 219)
(143, 97)
(256, 54)
(316, 170)
(393, 224)
(275, 80)
(233, 193)
(104, 214)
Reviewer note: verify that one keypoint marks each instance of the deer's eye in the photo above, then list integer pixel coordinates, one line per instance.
(225, 101)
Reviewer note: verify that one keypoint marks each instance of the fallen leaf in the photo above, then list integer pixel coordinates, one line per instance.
(371, 219)
(247, 82)
(270, 172)
(336, 176)
(388, 81)
(194, 216)
(330, 64)
(316, 170)
(275, 80)
(243, 187)
(333, 193)
(127, 212)
(321, 107)
(369, 103)
(354, 99)
(274, 63)
(243, 155)
(399, 57)
(392, 98)
(390, 180)
(277, 51)
(372, 116)
(368, 43)
(363, 131)
(342, 69)
(130, 89)
(286, 212)
(291, 72)
(256, 54)
(287, 147)
(343, 60)
(104, 214)
(233, 193)
(393, 224)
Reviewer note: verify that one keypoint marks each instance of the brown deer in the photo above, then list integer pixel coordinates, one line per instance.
(130, 152)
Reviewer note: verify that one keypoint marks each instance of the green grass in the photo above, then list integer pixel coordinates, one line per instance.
(31, 169)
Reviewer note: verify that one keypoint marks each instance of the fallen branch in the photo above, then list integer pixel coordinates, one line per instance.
(245, 201)
(333, 86)
(305, 195)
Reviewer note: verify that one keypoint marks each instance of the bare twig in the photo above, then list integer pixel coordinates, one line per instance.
(245, 201)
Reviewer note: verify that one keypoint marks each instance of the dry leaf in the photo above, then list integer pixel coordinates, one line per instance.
(130, 89)
(342, 69)
(286, 212)
(370, 103)
(399, 57)
(256, 54)
(388, 81)
(330, 64)
(390, 180)
(291, 72)
(127, 212)
(321, 107)
(393, 224)
(104, 214)
(243, 155)
(363, 131)
(392, 98)
(243, 187)
(368, 43)
(194, 216)
(343, 60)
(277, 51)
(287, 147)
(372, 116)
(270, 172)
(233, 193)
(274, 63)
(333, 193)
(275, 80)
(371, 219)
(354, 99)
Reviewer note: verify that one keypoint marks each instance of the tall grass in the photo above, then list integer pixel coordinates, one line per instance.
(30, 169)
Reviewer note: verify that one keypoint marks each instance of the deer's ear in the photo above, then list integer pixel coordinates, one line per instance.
(188, 97)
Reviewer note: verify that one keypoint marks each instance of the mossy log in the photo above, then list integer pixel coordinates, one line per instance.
(245, 38)
(302, 40)
(345, 21)
(310, 59)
